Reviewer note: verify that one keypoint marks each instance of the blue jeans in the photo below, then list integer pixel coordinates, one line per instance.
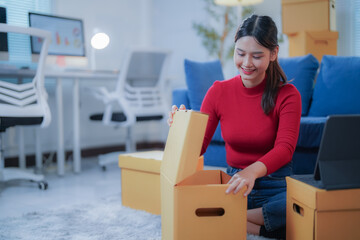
(269, 192)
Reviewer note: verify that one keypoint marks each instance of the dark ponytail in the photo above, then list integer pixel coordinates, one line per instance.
(264, 30)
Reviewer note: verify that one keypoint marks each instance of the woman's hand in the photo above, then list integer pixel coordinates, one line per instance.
(174, 108)
(239, 180)
(246, 178)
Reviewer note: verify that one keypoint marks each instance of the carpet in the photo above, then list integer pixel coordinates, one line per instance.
(105, 220)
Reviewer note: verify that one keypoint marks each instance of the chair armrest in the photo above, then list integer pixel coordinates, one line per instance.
(102, 94)
(111, 99)
(180, 96)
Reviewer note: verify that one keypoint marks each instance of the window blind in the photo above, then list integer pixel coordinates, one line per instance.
(356, 27)
(348, 26)
(17, 14)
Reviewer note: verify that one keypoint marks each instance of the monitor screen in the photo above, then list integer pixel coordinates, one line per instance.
(3, 35)
(67, 34)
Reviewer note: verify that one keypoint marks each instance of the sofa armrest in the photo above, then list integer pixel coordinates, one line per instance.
(180, 96)
(310, 133)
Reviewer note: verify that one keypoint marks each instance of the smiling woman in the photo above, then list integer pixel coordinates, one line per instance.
(259, 116)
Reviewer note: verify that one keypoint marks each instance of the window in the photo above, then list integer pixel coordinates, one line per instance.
(17, 14)
(348, 26)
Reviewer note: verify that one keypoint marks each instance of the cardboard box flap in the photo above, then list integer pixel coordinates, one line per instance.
(324, 35)
(183, 145)
(316, 35)
(149, 161)
(208, 177)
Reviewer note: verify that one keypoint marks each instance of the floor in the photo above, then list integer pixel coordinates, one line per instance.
(91, 184)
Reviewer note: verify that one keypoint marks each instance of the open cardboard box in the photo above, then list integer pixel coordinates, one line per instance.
(140, 180)
(194, 204)
(313, 213)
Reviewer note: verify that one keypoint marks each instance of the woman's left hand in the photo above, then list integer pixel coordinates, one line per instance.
(240, 180)
(247, 178)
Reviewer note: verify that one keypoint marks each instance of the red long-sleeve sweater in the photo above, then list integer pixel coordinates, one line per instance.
(249, 134)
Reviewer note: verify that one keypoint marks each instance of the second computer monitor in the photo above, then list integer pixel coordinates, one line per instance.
(67, 34)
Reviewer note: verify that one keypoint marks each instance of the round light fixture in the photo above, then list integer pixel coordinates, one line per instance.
(237, 2)
(100, 41)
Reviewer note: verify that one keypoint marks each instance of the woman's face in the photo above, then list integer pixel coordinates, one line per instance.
(252, 60)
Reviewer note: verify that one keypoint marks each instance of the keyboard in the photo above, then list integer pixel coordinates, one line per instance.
(309, 179)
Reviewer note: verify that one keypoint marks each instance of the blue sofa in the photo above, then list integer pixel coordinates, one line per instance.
(327, 89)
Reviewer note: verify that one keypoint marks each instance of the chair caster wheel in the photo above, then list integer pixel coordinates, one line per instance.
(43, 185)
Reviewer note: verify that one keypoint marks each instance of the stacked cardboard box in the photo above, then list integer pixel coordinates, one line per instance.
(194, 204)
(310, 26)
(140, 180)
(317, 43)
(313, 213)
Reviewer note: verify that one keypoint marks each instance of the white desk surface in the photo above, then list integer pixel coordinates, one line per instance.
(74, 75)
(80, 73)
(58, 72)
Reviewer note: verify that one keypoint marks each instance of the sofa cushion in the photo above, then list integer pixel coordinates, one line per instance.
(337, 87)
(301, 71)
(199, 78)
(180, 96)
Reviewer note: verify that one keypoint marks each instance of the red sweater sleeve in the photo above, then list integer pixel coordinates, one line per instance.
(209, 107)
(288, 108)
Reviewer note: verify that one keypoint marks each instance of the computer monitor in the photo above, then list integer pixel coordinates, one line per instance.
(4, 55)
(67, 34)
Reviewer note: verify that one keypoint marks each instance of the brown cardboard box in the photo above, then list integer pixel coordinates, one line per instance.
(316, 43)
(313, 213)
(140, 180)
(194, 204)
(308, 15)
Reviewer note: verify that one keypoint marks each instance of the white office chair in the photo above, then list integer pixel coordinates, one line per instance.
(24, 104)
(140, 93)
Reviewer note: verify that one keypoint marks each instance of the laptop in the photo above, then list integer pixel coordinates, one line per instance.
(338, 161)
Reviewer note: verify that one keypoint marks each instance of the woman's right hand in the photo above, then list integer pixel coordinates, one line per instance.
(174, 108)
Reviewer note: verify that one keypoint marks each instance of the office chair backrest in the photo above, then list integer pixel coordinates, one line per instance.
(27, 99)
(142, 79)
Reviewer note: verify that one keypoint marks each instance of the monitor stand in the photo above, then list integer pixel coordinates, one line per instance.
(64, 62)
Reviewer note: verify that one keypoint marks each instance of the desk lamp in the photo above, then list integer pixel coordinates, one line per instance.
(99, 41)
(230, 3)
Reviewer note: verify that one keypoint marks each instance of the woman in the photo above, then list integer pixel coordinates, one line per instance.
(259, 115)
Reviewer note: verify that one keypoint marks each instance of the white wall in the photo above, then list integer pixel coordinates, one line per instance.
(172, 29)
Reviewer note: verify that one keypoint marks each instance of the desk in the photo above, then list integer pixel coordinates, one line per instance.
(59, 75)
(75, 76)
